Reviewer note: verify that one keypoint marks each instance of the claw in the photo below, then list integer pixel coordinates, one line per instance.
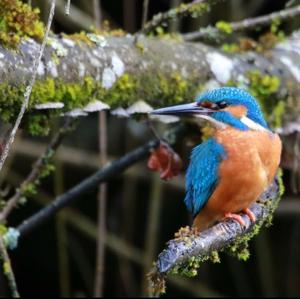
(250, 214)
(236, 217)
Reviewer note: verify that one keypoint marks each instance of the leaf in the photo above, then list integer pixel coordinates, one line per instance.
(166, 161)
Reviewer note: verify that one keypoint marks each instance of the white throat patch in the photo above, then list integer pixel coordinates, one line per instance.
(252, 125)
(218, 124)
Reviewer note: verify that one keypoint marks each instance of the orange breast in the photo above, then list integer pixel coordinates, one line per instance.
(252, 161)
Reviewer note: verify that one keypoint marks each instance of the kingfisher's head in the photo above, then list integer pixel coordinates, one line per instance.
(225, 106)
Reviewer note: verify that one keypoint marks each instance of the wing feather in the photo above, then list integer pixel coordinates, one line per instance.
(202, 175)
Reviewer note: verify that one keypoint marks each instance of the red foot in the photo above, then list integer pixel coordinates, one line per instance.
(250, 214)
(236, 217)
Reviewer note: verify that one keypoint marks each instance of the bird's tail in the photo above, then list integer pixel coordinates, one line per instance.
(203, 221)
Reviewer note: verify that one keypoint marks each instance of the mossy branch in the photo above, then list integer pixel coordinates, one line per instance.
(196, 8)
(224, 28)
(117, 72)
(185, 253)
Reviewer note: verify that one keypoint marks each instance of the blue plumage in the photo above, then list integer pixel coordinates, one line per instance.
(235, 96)
(202, 174)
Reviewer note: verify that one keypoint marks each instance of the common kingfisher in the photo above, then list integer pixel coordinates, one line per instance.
(229, 171)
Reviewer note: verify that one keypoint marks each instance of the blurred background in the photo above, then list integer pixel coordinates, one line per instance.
(143, 212)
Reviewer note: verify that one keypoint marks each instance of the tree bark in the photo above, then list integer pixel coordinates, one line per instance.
(108, 59)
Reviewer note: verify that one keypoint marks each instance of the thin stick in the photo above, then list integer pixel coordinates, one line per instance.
(102, 197)
(173, 13)
(36, 170)
(88, 184)
(246, 24)
(28, 91)
(97, 13)
(7, 269)
(145, 12)
(102, 192)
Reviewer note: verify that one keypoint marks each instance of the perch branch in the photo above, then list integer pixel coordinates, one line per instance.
(246, 24)
(29, 88)
(180, 11)
(36, 171)
(180, 250)
(7, 269)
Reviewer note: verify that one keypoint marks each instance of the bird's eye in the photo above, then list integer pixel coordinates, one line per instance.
(222, 104)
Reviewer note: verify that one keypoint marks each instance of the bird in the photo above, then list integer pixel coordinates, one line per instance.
(229, 171)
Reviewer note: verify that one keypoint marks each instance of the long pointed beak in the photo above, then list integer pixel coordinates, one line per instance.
(191, 108)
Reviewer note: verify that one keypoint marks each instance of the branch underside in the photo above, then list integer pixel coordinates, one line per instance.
(180, 251)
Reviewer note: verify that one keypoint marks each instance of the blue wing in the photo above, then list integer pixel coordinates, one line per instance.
(202, 174)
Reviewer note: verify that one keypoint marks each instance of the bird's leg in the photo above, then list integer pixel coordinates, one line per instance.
(250, 214)
(236, 217)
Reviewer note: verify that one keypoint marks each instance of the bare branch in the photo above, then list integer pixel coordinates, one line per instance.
(186, 248)
(102, 197)
(197, 7)
(97, 178)
(246, 24)
(88, 184)
(37, 169)
(28, 88)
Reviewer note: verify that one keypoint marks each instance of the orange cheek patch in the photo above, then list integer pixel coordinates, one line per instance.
(237, 111)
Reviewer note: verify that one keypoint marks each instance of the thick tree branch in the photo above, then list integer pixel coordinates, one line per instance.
(184, 249)
(246, 24)
(116, 71)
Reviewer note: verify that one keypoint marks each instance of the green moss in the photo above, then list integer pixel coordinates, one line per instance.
(230, 48)
(264, 88)
(3, 229)
(6, 268)
(224, 27)
(17, 21)
(159, 90)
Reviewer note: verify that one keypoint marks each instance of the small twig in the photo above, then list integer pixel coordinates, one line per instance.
(28, 91)
(145, 12)
(246, 24)
(67, 8)
(180, 11)
(7, 269)
(36, 170)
